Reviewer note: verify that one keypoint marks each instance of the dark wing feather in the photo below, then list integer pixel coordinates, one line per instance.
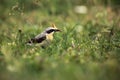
(37, 40)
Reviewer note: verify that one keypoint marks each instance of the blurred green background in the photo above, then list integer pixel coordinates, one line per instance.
(87, 48)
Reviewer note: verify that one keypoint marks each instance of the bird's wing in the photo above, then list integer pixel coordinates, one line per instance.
(38, 39)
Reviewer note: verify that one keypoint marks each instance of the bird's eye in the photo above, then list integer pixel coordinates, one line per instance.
(49, 31)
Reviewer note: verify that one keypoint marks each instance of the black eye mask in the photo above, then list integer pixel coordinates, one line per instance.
(49, 31)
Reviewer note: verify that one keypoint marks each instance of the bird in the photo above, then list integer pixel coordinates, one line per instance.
(45, 37)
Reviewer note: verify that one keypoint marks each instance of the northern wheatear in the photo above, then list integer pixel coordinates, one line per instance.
(45, 37)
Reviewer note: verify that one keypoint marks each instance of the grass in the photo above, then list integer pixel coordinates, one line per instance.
(87, 48)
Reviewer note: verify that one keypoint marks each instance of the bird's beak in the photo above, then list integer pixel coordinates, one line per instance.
(58, 30)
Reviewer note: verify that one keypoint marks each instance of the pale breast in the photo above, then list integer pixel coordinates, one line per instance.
(49, 37)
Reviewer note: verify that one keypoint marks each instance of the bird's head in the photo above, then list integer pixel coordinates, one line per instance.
(52, 29)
